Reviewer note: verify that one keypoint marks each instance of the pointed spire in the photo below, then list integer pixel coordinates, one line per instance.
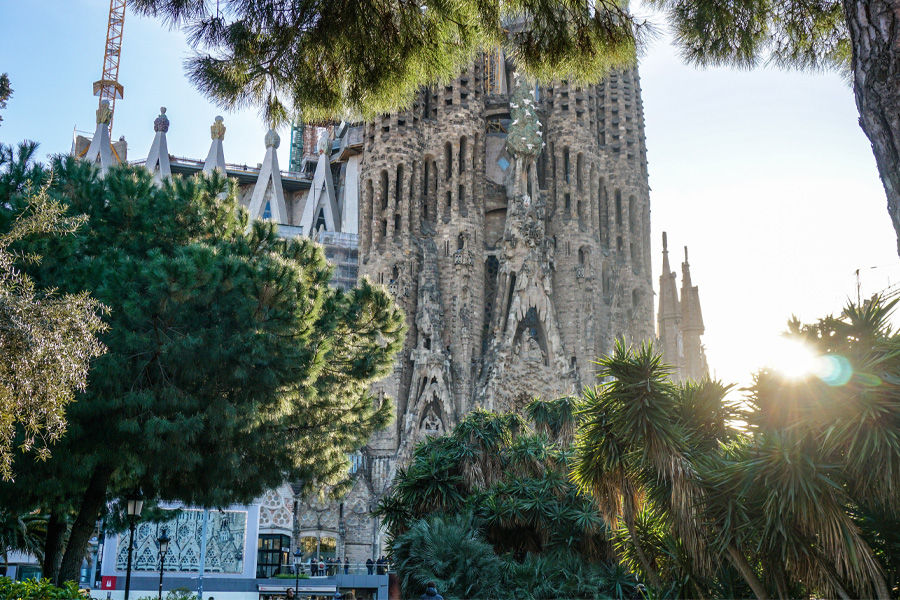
(100, 150)
(268, 190)
(158, 158)
(321, 196)
(685, 271)
(216, 157)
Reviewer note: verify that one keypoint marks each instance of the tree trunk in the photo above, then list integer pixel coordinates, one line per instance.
(53, 544)
(642, 557)
(874, 27)
(747, 572)
(91, 504)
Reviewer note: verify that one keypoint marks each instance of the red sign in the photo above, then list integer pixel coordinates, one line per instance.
(109, 582)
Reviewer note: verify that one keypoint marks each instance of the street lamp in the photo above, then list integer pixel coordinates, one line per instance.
(134, 502)
(163, 546)
(298, 560)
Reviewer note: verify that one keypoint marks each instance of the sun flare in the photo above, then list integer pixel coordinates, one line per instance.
(793, 359)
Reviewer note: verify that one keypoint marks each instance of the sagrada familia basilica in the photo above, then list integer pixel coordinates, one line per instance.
(512, 224)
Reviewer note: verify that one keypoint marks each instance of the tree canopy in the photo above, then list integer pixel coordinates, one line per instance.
(5, 91)
(328, 59)
(47, 340)
(232, 365)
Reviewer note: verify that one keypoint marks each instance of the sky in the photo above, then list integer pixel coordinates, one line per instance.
(765, 175)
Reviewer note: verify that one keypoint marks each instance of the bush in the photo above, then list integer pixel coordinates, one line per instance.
(291, 576)
(40, 589)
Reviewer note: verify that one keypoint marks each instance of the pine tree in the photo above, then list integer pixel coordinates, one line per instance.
(232, 365)
(330, 58)
(5, 91)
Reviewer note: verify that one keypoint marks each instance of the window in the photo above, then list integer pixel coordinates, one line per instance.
(273, 550)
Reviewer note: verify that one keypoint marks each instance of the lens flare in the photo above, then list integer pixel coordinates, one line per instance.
(794, 359)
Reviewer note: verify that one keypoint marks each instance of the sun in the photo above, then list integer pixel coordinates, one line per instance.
(793, 359)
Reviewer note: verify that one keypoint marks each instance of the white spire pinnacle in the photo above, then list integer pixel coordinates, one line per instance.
(216, 157)
(158, 158)
(321, 195)
(268, 190)
(100, 150)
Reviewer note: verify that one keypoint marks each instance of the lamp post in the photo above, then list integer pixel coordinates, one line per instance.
(298, 561)
(133, 504)
(163, 546)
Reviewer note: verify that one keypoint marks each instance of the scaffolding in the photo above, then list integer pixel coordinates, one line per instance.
(492, 72)
(108, 87)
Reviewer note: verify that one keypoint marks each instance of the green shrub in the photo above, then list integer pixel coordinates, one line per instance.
(39, 589)
(291, 576)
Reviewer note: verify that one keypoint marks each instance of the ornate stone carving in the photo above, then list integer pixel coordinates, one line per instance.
(217, 129)
(161, 123)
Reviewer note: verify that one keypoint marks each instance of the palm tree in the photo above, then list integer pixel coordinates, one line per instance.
(639, 441)
(22, 533)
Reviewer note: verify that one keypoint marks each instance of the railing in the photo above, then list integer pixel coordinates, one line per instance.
(330, 570)
(194, 162)
(347, 240)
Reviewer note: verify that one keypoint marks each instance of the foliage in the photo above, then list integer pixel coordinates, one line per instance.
(513, 480)
(22, 533)
(5, 91)
(291, 576)
(451, 552)
(47, 340)
(564, 574)
(329, 59)
(42, 589)
(232, 364)
(792, 501)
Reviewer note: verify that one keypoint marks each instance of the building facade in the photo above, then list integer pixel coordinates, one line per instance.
(511, 222)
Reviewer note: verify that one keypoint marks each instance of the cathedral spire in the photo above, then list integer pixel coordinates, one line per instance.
(267, 201)
(321, 202)
(158, 158)
(669, 316)
(691, 325)
(101, 150)
(215, 159)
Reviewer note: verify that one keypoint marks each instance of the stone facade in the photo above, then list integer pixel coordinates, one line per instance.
(514, 230)
(511, 223)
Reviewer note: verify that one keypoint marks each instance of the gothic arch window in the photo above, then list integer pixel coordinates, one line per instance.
(320, 221)
(460, 242)
(602, 212)
(398, 187)
(619, 208)
(448, 160)
(635, 298)
(395, 274)
(567, 167)
(462, 154)
(397, 226)
(384, 190)
(579, 170)
(582, 257)
(632, 214)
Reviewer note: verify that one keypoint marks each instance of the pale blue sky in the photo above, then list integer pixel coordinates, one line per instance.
(765, 175)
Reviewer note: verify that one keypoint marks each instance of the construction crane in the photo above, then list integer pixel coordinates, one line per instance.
(108, 87)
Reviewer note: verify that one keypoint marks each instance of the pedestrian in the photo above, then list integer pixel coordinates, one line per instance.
(289, 593)
(346, 566)
(370, 565)
(431, 592)
(321, 565)
(313, 566)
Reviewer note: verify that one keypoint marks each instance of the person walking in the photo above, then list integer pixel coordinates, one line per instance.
(346, 566)
(431, 592)
(370, 565)
(313, 566)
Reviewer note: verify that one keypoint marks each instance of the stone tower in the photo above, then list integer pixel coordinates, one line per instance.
(680, 321)
(513, 227)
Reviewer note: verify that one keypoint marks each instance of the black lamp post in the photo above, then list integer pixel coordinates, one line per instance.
(163, 547)
(298, 561)
(133, 505)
